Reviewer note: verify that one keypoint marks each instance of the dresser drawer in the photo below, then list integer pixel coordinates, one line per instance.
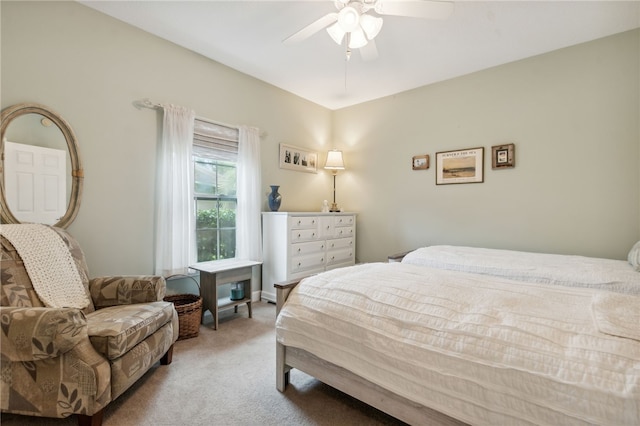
(343, 231)
(303, 222)
(299, 235)
(340, 256)
(302, 249)
(344, 220)
(306, 263)
(339, 243)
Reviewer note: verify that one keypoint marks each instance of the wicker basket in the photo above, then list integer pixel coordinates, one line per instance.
(189, 307)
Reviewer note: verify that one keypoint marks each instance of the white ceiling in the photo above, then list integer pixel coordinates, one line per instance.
(247, 36)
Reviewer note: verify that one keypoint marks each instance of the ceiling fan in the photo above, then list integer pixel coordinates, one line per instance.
(358, 22)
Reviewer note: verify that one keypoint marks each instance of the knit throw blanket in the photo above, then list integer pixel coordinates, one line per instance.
(50, 266)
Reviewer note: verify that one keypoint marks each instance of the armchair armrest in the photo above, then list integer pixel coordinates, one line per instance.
(126, 290)
(36, 333)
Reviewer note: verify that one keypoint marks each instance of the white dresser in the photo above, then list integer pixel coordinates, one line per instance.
(298, 244)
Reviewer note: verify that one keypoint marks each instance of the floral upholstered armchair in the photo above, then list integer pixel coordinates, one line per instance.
(59, 361)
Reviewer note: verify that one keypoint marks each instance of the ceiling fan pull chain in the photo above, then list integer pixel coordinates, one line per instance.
(346, 65)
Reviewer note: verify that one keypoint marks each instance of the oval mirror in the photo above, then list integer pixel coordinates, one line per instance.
(40, 172)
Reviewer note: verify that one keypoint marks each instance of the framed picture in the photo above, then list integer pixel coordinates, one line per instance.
(462, 166)
(420, 162)
(503, 156)
(299, 159)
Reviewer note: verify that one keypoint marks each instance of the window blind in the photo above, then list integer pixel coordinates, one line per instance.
(215, 141)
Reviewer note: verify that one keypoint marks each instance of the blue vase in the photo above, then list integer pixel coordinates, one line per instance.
(274, 198)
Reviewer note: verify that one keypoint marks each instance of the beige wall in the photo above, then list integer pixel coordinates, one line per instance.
(573, 115)
(90, 68)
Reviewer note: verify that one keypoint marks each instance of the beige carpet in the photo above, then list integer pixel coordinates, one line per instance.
(227, 377)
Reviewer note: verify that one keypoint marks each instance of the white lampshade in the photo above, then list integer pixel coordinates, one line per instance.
(334, 160)
(357, 39)
(371, 25)
(348, 18)
(336, 32)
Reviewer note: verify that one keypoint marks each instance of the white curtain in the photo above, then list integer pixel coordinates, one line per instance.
(175, 227)
(248, 215)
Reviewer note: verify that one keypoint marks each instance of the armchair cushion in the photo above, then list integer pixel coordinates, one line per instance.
(125, 290)
(113, 331)
(30, 334)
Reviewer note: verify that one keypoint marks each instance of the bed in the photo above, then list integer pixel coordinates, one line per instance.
(438, 345)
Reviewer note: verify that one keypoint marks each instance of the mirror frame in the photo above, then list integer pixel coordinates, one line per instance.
(77, 173)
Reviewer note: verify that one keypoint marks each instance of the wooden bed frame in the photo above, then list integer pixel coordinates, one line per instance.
(345, 381)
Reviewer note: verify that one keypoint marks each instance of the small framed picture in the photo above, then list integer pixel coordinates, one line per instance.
(461, 166)
(299, 159)
(420, 162)
(503, 156)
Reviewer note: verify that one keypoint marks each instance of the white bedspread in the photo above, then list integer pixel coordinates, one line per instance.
(483, 350)
(566, 270)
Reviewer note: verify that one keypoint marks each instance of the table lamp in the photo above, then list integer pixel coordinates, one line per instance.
(334, 163)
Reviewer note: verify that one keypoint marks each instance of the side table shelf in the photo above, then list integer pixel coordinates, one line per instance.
(219, 272)
(228, 303)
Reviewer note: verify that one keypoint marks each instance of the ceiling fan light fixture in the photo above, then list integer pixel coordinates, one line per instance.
(357, 39)
(371, 25)
(349, 19)
(336, 32)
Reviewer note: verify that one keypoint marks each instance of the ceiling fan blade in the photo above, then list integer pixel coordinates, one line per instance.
(415, 8)
(312, 28)
(369, 51)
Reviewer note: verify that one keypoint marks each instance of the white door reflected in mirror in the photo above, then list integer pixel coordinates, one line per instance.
(35, 182)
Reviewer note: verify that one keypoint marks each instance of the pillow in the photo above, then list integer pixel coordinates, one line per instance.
(634, 256)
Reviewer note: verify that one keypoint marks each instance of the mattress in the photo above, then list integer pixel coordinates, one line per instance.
(544, 268)
(484, 350)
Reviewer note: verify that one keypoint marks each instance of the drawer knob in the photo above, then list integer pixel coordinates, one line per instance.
(298, 235)
(299, 249)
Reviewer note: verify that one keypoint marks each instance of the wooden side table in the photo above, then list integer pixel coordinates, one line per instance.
(219, 272)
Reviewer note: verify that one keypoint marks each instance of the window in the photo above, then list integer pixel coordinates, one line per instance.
(215, 154)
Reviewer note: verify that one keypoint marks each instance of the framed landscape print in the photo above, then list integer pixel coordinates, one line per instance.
(299, 159)
(461, 166)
